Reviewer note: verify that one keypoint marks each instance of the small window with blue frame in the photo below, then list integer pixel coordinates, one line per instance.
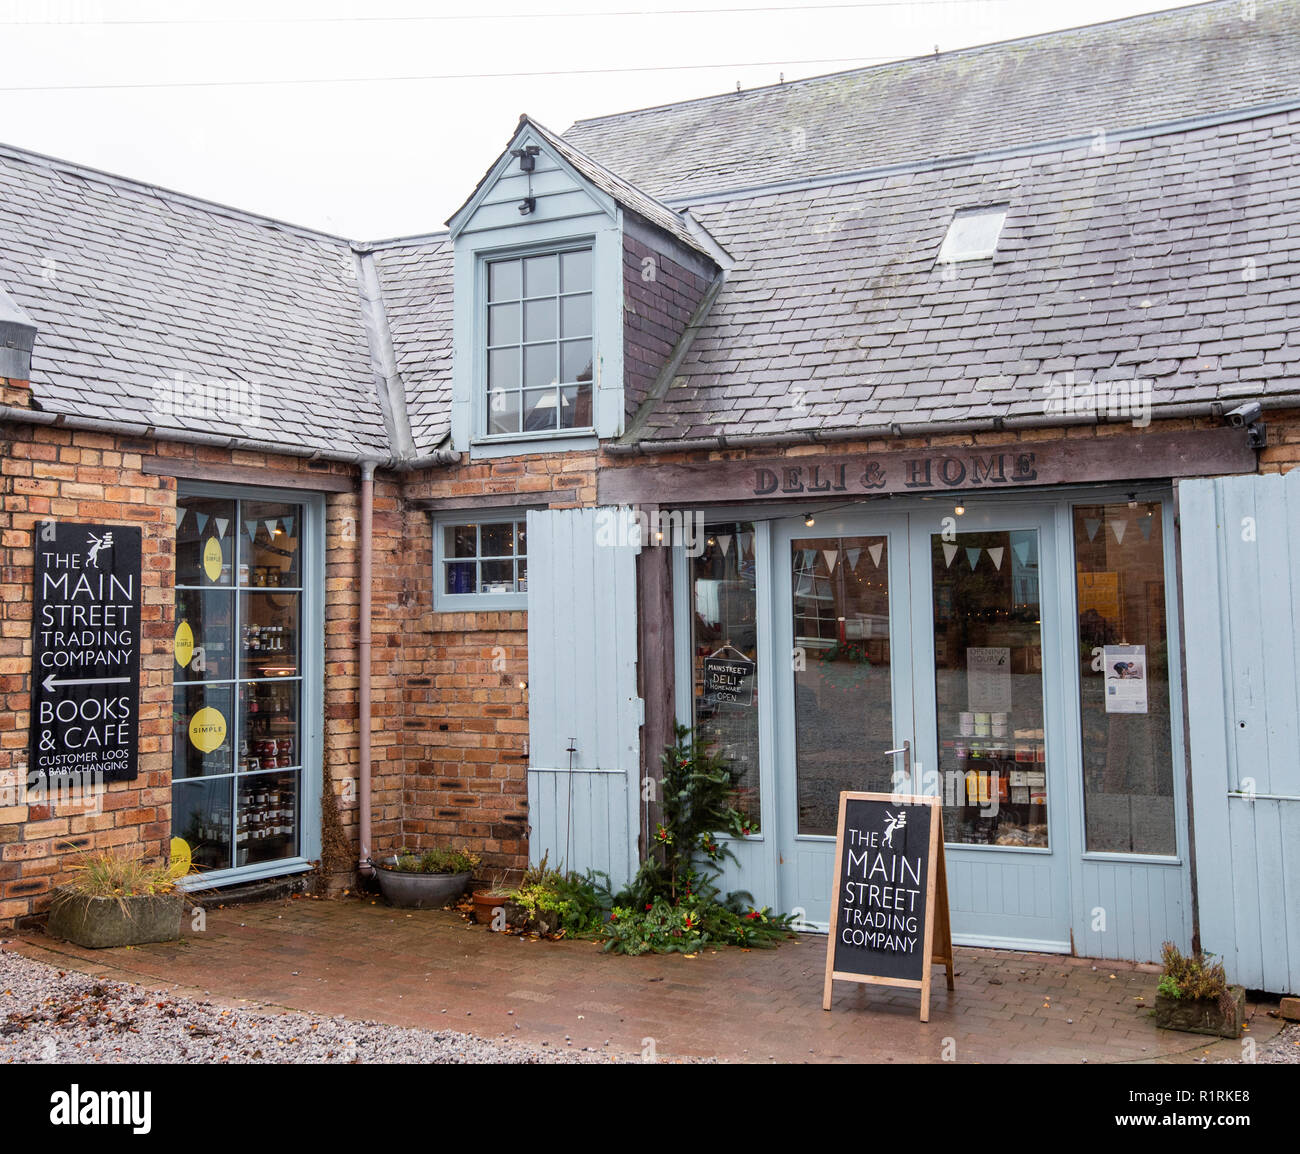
(482, 558)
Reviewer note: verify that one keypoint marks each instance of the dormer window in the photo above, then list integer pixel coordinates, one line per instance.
(973, 234)
(539, 343)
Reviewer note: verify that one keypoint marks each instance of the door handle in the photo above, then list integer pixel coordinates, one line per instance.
(906, 750)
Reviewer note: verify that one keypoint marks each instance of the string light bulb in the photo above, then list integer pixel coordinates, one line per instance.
(809, 520)
(960, 510)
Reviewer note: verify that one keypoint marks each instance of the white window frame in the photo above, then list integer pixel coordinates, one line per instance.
(583, 433)
(444, 602)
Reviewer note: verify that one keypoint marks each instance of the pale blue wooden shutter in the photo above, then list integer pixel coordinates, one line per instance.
(582, 688)
(1241, 598)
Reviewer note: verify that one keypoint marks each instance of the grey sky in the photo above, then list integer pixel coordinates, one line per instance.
(123, 84)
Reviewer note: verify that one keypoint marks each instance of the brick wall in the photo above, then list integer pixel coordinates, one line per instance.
(465, 718)
(660, 293)
(53, 473)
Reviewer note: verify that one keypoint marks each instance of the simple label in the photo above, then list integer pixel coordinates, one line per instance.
(184, 644)
(85, 652)
(729, 680)
(213, 559)
(207, 729)
(884, 852)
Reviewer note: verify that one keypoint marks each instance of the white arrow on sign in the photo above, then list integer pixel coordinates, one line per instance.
(49, 683)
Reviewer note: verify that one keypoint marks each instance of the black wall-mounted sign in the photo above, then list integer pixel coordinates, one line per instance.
(85, 718)
(729, 680)
(889, 913)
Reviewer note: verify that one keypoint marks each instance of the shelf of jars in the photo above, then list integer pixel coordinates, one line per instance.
(994, 787)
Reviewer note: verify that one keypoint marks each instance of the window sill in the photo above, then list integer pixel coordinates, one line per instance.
(480, 602)
(517, 445)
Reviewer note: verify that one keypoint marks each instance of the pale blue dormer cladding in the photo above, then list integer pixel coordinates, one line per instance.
(542, 197)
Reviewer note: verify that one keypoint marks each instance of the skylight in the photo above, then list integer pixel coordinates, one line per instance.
(973, 234)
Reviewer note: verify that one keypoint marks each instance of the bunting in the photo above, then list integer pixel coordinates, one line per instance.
(949, 552)
(877, 550)
(1021, 549)
(724, 542)
(831, 556)
(995, 555)
(973, 556)
(1119, 528)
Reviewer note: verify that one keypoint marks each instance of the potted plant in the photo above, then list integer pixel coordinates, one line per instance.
(1194, 995)
(115, 900)
(497, 895)
(425, 880)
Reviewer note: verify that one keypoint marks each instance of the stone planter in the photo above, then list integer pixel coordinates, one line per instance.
(419, 891)
(1202, 1015)
(102, 922)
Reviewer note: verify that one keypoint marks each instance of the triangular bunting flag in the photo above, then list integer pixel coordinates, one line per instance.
(1145, 523)
(202, 519)
(221, 523)
(745, 543)
(1021, 549)
(250, 527)
(270, 527)
(1119, 528)
(877, 550)
(724, 542)
(973, 556)
(1091, 524)
(995, 555)
(949, 552)
(288, 525)
(851, 556)
(831, 556)
(180, 515)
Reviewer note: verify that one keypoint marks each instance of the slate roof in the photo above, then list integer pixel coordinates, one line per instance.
(623, 192)
(130, 285)
(1145, 70)
(416, 280)
(1173, 258)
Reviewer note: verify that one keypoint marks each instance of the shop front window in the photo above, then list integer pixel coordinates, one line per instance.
(1128, 776)
(724, 647)
(988, 652)
(843, 695)
(237, 732)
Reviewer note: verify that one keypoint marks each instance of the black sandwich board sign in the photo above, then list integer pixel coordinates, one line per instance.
(889, 909)
(85, 718)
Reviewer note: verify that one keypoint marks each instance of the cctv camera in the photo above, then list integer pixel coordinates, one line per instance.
(1246, 414)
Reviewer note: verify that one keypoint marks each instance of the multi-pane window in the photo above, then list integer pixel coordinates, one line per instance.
(237, 733)
(484, 557)
(539, 348)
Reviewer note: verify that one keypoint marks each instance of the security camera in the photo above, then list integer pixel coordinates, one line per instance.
(1246, 414)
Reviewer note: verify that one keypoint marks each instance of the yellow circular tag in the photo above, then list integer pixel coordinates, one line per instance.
(212, 559)
(184, 644)
(182, 861)
(207, 729)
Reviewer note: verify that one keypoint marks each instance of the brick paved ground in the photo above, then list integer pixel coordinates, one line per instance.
(433, 969)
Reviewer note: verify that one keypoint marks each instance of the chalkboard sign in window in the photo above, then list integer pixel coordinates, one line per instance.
(889, 910)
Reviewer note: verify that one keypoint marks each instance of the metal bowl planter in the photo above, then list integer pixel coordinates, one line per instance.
(97, 923)
(418, 891)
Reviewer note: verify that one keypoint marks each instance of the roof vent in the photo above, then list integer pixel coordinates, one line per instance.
(973, 234)
(17, 338)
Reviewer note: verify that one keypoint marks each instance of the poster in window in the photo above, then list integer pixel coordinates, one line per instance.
(1125, 670)
(988, 676)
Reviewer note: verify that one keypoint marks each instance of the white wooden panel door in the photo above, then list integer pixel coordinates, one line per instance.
(583, 709)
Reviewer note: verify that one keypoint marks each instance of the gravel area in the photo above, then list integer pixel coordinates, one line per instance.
(52, 1015)
(1284, 1049)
